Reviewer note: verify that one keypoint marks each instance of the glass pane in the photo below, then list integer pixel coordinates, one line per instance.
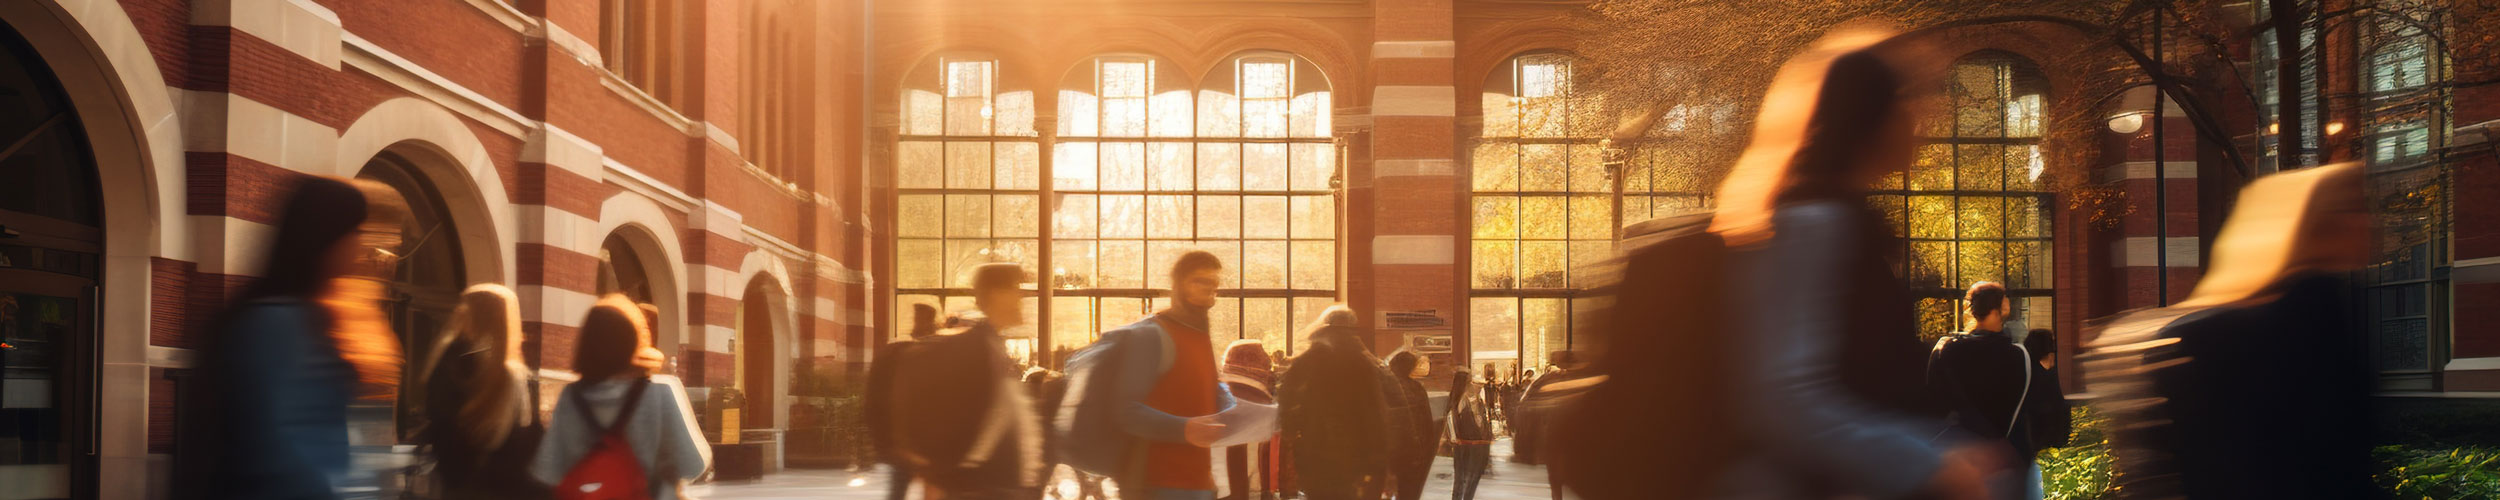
(1219, 166)
(1980, 261)
(1123, 216)
(1077, 114)
(1541, 167)
(967, 216)
(1074, 218)
(1072, 165)
(1117, 311)
(1168, 168)
(1497, 167)
(1263, 117)
(1496, 264)
(1493, 328)
(1306, 311)
(2020, 259)
(1019, 165)
(1314, 217)
(1263, 318)
(1544, 324)
(1122, 264)
(1018, 215)
(1980, 217)
(1072, 264)
(1224, 319)
(968, 165)
(2023, 168)
(919, 264)
(1933, 169)
(1124, 117)
(919, 215)
(1979, 107)
(1929, 262)
(1541, 264)
(1219, 216)
(1263, 167)
(1123, 166)
(1587, 174)
(2025, 218)
(1592, 217)
(919, 165)
(1937, 318)
(961, 256)
(1982, 167)
(1263, 264)
(1543, 217)
(1311, 115)
(1931, 217)
(1314, 265)
(1219, 114)
(922, 110)
(1170, 217)
(1893, 209)
(1264, 216)
(1171, 114)
(1072, 324)
(1015, 113)
(1497, 217)
(1312, 165)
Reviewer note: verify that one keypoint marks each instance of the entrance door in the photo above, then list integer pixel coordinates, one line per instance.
(47, 384)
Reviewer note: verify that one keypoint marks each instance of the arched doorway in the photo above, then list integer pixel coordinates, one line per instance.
(754, 352)
(51, 236)
(426, 286)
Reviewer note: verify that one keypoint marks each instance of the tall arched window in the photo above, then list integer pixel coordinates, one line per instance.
(968, 181)
(1543, 206)
(640, 40)
(1973, 206)
(1142, 173)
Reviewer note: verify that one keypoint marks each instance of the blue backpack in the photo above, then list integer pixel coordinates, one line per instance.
(1087, 429)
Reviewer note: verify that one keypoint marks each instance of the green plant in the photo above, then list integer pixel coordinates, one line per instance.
(2081, 470)
(2455, 473)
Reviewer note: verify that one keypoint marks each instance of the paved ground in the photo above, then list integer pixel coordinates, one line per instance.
(1508, 481)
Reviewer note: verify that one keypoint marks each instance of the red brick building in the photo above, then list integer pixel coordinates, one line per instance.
(783, 179)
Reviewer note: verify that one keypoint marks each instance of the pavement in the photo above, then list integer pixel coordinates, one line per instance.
(1507, 481)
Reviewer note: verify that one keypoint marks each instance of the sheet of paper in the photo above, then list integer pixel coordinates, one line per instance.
(1246, 423)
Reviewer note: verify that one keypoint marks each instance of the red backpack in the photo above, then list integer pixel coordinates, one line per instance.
(609, 471)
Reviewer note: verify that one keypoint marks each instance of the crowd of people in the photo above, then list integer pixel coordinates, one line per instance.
(1762, 350)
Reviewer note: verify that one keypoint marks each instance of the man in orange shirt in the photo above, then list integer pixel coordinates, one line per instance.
(1173, 388)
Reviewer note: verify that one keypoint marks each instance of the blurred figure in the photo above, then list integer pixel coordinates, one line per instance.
(923, 321)
(2202, 393)
(2048, 421)
(271, 420)
(480, 427)
(1528, 421)
(1985, 378)
(955, 409)
(1831, 367)
(1334, 413)
(649, 357)
(880, 378)
(1470, 434)
(1152, 384)
(1246, 372)
(619, 426)
(1416, 444)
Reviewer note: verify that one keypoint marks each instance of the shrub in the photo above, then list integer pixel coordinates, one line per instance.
(2081, 470)
(2455, 473)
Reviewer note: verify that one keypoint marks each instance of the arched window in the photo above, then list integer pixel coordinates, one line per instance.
(640, 41)
(1973, 206)
(1543, 205)
(1142, 173)
(968, 178)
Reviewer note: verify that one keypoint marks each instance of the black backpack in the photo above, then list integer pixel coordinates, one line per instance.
(1652, 417)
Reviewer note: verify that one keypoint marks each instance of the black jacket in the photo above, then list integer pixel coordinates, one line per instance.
(1982, 377)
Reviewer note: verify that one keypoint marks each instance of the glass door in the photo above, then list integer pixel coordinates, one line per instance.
(47, 394)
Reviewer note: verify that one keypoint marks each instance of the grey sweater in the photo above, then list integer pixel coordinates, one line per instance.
(662, 432)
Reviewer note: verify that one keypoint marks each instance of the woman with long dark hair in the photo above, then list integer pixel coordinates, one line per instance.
(615, 394)
(1831, 382)
(480, 427)
(269, 417)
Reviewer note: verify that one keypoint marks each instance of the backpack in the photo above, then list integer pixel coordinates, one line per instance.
(1653, 416)
(609, 471)
(1940, 379)
(1086, 433)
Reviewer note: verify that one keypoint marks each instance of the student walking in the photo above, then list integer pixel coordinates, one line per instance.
(479, 425)
(1470, 434)
(619, 427)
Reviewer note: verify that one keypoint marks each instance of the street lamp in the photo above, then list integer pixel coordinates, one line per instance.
(2134, 105)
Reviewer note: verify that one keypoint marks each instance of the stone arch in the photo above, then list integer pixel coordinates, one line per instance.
(128, 114)
(444, 151)
(762, 273)
(643, 225)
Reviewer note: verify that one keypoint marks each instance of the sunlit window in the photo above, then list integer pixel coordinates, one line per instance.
(1147, 168)
(640, 41)
(968, 182)
(1973, 207)
(1542, 206)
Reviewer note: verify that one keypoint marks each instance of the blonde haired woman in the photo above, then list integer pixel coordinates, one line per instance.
(481, 429)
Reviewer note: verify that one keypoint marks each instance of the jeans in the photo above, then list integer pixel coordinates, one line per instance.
(2033, 488)
(1471, 461)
